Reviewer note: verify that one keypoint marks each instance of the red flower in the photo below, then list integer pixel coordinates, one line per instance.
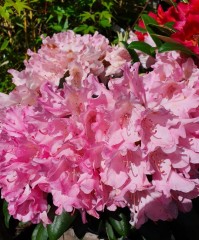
(185, 18)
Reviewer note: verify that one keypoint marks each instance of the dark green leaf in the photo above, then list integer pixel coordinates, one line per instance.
(121, 226)
(162, 30)
(110, 232)
(40, 233)
(60, 224)
(164, 38)
(169, 24)
(6, 214)
(168, 46)
(142, 46)
(171, 2)
(149, 20)
(140, 29)
(131, 51)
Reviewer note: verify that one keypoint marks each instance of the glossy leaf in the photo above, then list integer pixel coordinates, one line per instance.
(6, 214)
(60, 224)
(171, 2)
(147, 21)
(140, 29)
(164, 38)
(40, 233)
(161, 29)
(110, 232)
(131, 51)
(142, 46)
(168, 46)
(121, 226)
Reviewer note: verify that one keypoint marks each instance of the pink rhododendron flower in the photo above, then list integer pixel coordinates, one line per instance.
(105, 137)
(72, 57)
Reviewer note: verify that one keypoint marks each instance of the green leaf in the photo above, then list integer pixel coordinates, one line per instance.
(20, 6)
(81, 28)
(6, 214)
(168, 46)
(107, 5)
(110, 232)
(4, 44)
(40, 233)
(4, 13)
(164, 38)
(105, 23)
(140, 29)
(149, 20)
(56, 27)
(131, 51)
(142, 46)
(134, 55)
(60, 224)
(171, 2)
(106, 15)
(169, 24)
(162, 30)
(86, 15)
(122, 226)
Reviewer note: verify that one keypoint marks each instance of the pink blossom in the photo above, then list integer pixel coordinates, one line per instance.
(105, 137)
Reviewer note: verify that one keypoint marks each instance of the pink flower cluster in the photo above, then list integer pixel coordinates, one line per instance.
(131, 142)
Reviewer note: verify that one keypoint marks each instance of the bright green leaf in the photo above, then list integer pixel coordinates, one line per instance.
(142, 46)
(81, 28)
(8, 3)
(4, 13)
(4, 44)
(90, 29)
(86, 16)
(60, 224)
(20, 6)
(40, 233)
(106, 15)
(168, 46)
(6, 214)
(107, 5)
(105, 23)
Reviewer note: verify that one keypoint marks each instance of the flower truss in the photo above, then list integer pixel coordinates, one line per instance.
(84, 126)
